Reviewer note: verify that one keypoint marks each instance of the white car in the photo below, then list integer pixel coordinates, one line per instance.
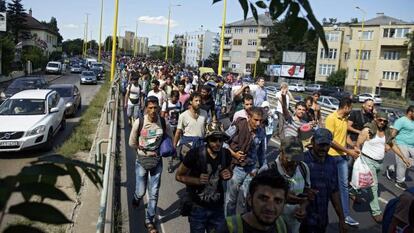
(54, 67)
(363, 97)
(296, 87)
(30, 119)
(313, 87)
(329, 102)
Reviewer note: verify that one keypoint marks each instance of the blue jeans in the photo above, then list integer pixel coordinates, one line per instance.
(205, 220)
(240, 179)
(134, 111)
(343, 183)
(153, 187)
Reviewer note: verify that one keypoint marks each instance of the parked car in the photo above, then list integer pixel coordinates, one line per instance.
(313, 87)
(376, 98)
(23, 83)
(88, 77)
(54, 67)
(271, 89)
(71, 96)
(98, 72)
(393, 113)
(296, 87)
(75, 68)
(335, 92)
(329, 102)
(30, 119)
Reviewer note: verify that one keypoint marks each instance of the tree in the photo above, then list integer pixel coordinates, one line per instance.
(16, 18)
(3, 6)
(260, 68)
(337, 78)
(7, 48)
(410, 73)
(72, 47)
(212, 61)
(35, 55)
(279, 40)
(52, 25)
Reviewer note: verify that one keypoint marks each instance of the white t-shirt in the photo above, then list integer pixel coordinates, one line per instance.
(173, 112)
(162, 97)
(134, 93)
(279, 103)
(192, 127)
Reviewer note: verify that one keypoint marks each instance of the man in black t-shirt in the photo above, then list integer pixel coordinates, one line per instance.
(203, 170)
(358, 118)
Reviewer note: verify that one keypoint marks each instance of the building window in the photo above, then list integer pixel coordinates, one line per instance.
(249, 67)
(346, 55)
(329, 55)
(252, 30)
(251, 54)
(266, 30)
(235, 65)
(395, 32)
(363, 74)
(326, 69)
(235, 54)
(252, 42)
(365, 54)
(237, 42)
(366, 35)
(228, 30)
(392, 55)
(332, 36)
(238, 30)
(227, 42)
(390, 75)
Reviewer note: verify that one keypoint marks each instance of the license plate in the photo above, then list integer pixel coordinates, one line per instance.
(11, 143)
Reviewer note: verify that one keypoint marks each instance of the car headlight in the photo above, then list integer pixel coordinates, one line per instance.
(68, 104)
(38, 130)
(2, 95)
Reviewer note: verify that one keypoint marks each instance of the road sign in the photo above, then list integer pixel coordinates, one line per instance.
(3, 22)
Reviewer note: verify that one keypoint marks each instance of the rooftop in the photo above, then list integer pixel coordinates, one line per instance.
(264, 20)
(382, 19)
(32, 23)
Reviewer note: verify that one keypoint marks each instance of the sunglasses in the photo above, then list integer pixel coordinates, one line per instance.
(382, 120)
(216, 139)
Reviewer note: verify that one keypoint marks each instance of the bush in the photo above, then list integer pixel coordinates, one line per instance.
(7, 47)
(35, 55)
(337, 78)
(55, 56)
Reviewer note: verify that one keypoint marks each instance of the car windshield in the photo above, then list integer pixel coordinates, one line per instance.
(52, 65)
(63, 91)
(23, 107)
(97, 65)
(88, 73)
(76, 66)
(25, 84)
(334, 101)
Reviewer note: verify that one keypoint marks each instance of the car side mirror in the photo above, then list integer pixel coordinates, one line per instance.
(53, 110)
(75, 94)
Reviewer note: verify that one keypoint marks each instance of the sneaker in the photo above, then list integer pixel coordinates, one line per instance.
(401, 185)
(135, 202)
(350, 221)
(389, 173)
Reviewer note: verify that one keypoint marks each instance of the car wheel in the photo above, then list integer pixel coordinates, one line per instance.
(63, 123)
(49, 142)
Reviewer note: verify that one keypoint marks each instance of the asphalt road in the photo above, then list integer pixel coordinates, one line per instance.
(12, 163)
(170, 221)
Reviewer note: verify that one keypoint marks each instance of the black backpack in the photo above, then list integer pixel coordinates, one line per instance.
(273, 166)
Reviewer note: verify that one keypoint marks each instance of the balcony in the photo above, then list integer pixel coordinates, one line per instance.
(226, 58)
(264, 59)
(227, 46)
(228, 35)
(263, 35)
(394, 42)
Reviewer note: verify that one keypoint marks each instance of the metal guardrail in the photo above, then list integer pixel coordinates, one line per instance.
(106, 213)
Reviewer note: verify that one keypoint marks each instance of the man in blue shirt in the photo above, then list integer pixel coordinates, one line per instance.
(260, 94)
(324, 185)
(404, 131)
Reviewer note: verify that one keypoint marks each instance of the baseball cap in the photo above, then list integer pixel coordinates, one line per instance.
(305, 131)
(382, 115)
(292, 148)
(322, 136)
(265, 104)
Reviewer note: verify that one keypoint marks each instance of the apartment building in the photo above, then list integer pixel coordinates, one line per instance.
(385, 52)
(142, 45)
(198, 46)
(242, 44)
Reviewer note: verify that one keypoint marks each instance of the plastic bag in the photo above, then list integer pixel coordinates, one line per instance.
(362, 177)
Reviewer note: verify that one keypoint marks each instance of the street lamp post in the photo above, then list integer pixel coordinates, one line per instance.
(100, 34)
(360, 51)
(168, 30)
(223, 25)
(136, 39)
(85, 44)
(113, 57)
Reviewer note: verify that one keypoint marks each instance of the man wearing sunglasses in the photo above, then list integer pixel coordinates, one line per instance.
(375, 139)
(203, 170)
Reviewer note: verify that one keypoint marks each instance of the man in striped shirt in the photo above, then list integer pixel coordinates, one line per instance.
(291, 128)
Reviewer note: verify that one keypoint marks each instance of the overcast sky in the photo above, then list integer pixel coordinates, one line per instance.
(190, 16)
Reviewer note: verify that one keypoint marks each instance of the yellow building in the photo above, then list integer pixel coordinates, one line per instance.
(384, 54)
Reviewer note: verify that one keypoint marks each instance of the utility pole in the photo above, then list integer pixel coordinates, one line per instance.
(223, 25)
(113, 57)
(100, 34)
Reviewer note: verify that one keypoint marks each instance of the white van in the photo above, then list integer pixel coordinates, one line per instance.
(54, 67)
(90, 61)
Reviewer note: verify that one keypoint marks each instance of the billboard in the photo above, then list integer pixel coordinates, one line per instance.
(2, 21)
(273, 70)
(293, 71)
(294, 57)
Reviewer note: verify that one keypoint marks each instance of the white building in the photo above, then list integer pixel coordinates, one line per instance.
(199, 45)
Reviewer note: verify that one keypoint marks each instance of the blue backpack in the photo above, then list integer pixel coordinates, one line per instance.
(390, 209)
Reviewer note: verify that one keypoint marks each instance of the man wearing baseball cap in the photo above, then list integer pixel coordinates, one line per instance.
(324, 184)
(290, 165)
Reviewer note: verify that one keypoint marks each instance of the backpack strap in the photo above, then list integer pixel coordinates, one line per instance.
(140, 125)
(235, 224)
(163, 126)
(280, 224)
(304, 172)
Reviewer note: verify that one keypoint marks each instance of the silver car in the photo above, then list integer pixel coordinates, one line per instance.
(88, 77)
(329, 102)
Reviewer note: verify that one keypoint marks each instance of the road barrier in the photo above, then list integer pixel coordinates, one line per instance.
(106, 211)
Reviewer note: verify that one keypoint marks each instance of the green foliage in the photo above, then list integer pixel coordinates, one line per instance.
(52, 25)
(280, 40)
(35, 55)
(297, 26)
(337, 78)
(55, 56)
(15, 18)
(260, 68)
(212, 61)
(160, 54)
(7, 47)
(72, 47)
(30, 182)
(3, 7)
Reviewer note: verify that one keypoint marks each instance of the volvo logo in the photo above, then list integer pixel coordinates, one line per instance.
(6, 136)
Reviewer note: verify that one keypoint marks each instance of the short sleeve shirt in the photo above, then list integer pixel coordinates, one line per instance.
(339, 128)
(279, 103)
(173, 112)
(405, 129)
(190, 126)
